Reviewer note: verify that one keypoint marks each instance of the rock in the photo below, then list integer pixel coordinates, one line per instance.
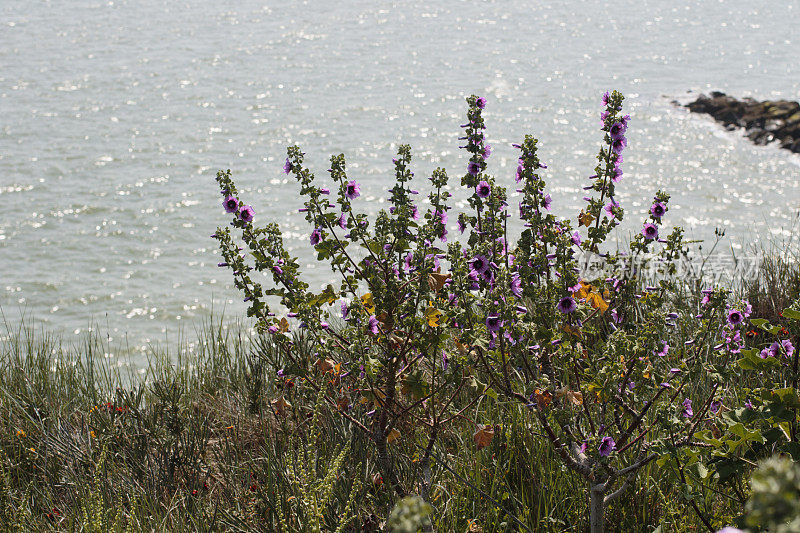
(765, 122)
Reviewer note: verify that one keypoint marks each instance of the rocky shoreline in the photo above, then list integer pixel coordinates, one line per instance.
(765, 122)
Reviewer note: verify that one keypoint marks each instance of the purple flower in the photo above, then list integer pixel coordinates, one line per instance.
(546, 201)
(664, 350)
(483, 189)
(372, 326)
(650, 231)
(618, 145)
(479, 264)
(473, 279)
(609, 208)
(473, 168)
(287, 167)
(407, 262)
(730, 529)
(716, 405)
(520, 170)
(352, 190)
(748, 404)
(247, 213)
(607, 445)
(493, 323)
(345, 310)
(605, 98)
(658, 209)
(566, 305)
(461, 225)
(617, 130)
(576, 239)
(774, 350)
(516, 285)
(687, 409)
(616, 174)
(342, 221)
(735, 317)
(487, 151)
(230, 204)
(480, 102)
(788, 347)
(316, 236)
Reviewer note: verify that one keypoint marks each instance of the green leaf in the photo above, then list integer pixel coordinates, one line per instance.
(752, 361)
(730, 467)
(760, 322)
(699, 470)
(788, 396)
(791, 313)
(745, 436)
(708, 438)
(415, 385)
(794, 450)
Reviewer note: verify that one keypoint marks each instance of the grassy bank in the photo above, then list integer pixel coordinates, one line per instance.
(217, 441)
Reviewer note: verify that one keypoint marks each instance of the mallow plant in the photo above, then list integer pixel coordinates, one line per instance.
(428, 317)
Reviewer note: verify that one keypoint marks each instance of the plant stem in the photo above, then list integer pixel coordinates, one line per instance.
(596, 507)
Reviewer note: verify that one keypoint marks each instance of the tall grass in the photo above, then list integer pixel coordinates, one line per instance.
(199, 443)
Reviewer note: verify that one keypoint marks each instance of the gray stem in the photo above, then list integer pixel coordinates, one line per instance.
(597, 507)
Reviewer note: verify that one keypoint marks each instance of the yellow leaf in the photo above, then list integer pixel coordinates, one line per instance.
(394, 434)
(284, 325)
(572, 330)
(543, 398)
(584, 219)
(583, 291)
(368, 303)
(597, 302)
(483, 436)
(433, 316)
